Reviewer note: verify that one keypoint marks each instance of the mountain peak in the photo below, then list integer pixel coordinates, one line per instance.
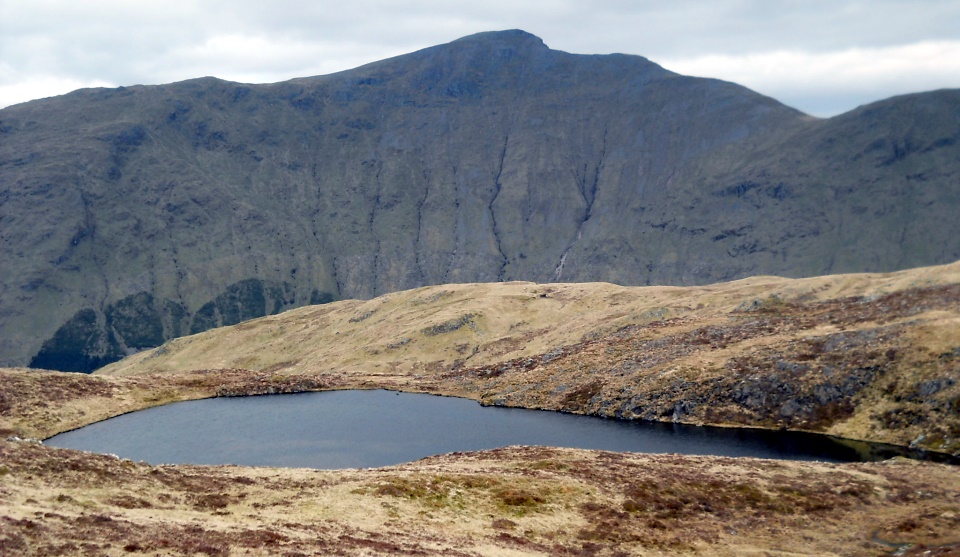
(511, 37)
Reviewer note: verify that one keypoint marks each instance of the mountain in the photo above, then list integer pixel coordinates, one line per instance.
(134, 215)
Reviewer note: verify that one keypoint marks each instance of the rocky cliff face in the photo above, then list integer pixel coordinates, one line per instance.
(139, 214)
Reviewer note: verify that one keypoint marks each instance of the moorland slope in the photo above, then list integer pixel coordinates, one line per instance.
(870, 356)
(867, 356)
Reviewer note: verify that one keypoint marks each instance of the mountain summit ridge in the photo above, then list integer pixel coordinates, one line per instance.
(138, 214)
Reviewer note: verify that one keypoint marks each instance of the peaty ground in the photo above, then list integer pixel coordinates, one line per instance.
(510, 501)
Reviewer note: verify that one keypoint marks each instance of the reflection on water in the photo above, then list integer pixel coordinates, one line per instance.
(357, 429)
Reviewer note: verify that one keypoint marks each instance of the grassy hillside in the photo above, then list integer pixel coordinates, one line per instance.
(865, 356)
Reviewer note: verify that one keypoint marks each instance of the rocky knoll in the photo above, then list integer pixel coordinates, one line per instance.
(134, 215)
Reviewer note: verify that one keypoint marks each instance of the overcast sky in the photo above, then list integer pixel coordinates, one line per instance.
(821, 56)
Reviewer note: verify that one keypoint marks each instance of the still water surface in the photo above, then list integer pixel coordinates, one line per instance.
(359, 429)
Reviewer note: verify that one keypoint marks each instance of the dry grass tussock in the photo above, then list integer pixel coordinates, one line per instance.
(511, 501)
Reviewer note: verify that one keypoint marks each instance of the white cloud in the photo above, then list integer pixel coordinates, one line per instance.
(16, 88)
(42, 87)
(833, 79)
(260, 59)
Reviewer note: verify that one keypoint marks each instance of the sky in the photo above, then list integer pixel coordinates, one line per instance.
(823, 57)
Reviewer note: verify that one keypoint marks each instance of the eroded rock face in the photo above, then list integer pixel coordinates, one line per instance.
(92, 339)
(492, 158)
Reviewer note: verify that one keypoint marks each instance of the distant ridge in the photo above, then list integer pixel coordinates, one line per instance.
(138, 214)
